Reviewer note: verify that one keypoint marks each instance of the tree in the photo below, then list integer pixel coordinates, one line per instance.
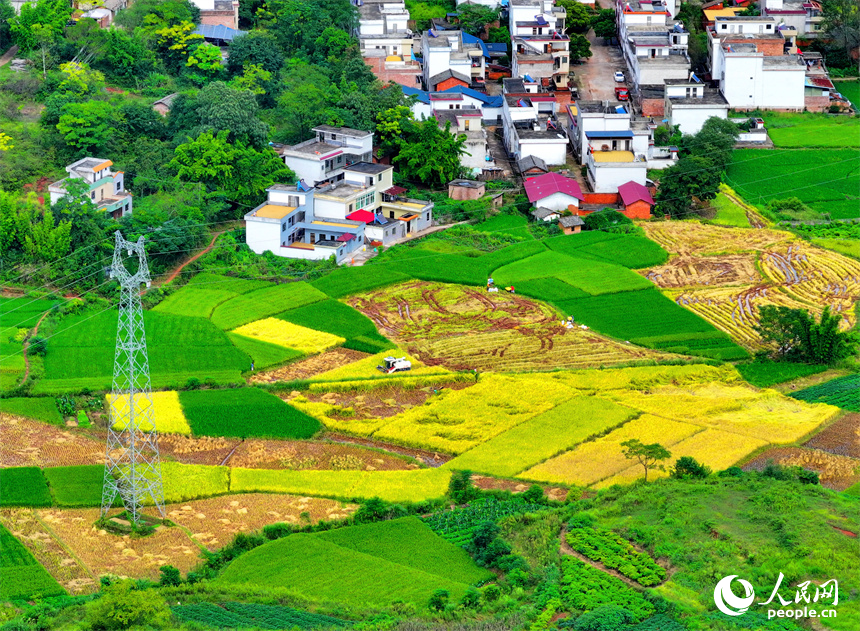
(79, 79)
(430, 154)
(164, 11)
(87, 127)
(715, 141)
(794, 335)
(46, 241)
(605, 618)
(40, 23)
(603, 24)
(122, 606)
(609, 220)
(220, 107)
(461, 489)
(7, 14)
(254, 78)
(578, 16)
(474, 18)
(688, 467)
(205, 60)
(305, 101)
(841, 23)
(174, 42)
(580, 47)
(124, 56)
(791, 209)
(647, 455)
(257, 47)
(170, 576)
(390, 126)
(691, 176)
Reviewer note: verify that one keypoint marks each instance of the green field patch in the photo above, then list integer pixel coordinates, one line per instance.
(23, 486)
(81, 352)
(585, 588)
(850, 90)
(204, 292)
(17, 316)
(262, 303)
(550, 289)
(827, 180)
(511, 253)
(370, 343)
(729, 213)
(355, 570)
(39, 408)
(849, 247)
(331, 316)
(516, 225)
(606, 547)
(843, 392)
(812, 129)
(352, 280)
(76, 486)
(443, 268)
(714, 344)
(184, 482)
(629, 251)
(765, 374)
(239, 615)
(457, 525)
(570, 244)
(243, 413)
(264, 354)
(543, 436)
(21, 576)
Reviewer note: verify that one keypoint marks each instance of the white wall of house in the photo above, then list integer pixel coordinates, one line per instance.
(330, 208)
(690, 118)
(263, 235)
(606, 177)
(552, 151)
(310, 170)
(647, 73)
(747, 83)
(557, 201)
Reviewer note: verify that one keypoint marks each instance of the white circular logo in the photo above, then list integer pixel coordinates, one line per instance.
(727, 602)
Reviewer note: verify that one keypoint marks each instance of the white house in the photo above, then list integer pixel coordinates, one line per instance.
(750, 80)
(467, 121)
(382, 28)
(530, 125)
(106, 187)
(451, 58)
(324, 157)
(554, 192)
(690, 103)
(654, 46)
(804, 17)
(541, 49)
(594, 116)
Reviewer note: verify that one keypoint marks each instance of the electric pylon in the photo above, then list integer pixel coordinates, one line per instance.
(132, 466)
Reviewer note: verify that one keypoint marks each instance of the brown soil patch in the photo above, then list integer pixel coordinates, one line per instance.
(284, 454)
(697, 271)
(847, 533)
(431, 458)
(841, 439)
(27, 443)
(836, 472)
(214, 522)
(487, 483)
(104, 553)
(463, 328)
(311, 366)
(203, 450)
(23, 523)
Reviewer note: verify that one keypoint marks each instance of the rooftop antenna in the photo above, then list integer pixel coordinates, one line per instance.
(132, 463)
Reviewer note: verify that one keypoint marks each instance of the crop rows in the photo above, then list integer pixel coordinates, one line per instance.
(843, 392)
(457, 525)
(694, 239)
(615, 552)
(231, 614)
(21, 576)
(585, 588)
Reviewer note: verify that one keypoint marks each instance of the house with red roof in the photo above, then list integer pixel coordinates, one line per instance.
(554, 192)
(636, 200)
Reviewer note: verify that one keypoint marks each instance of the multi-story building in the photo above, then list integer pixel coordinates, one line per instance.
(382, 28)
(541, 49)
(324, 157)
(750, 80)
(467, 122)
(802, 17)
(689, 103)
(530, 125)
(106, 187)
(451, 58)
(458, 97)
(654, 46)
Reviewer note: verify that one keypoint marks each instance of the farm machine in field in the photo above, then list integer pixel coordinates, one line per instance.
(392, 364)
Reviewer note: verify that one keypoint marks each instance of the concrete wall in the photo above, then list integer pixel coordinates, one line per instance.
(262, 236)
(553, 153)
(557, 201)
(311, 171)
(691, 119)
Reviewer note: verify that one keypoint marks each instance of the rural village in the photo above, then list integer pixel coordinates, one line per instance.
(430, 315)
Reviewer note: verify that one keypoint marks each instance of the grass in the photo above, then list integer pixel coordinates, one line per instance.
(543, 436)
(516, 225)
(263, 354)
(843, 392)
(849, 247)
(23, 486)
(17, 316)
(370, 565)
(331, 316)
(729, 213)
(352, 280)
(81, 352)
(766, 374)
(262, 303)
(76, 486)
(391, 486)
(243, 413)
(827, 180)
(39, 408)
(808, 129)
(21, 576)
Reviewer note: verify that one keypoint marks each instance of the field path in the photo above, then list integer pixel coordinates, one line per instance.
(27, 346)
(179, 269)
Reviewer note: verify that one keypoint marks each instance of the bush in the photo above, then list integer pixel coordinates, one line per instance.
(169, 576)
(38, 346)
(439, 600)
(122, 607)
(689, 467)
(607, 618)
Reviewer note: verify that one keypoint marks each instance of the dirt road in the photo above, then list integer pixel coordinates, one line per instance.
(595, 76)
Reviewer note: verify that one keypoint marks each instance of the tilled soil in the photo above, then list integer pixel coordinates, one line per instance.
(841, 439)
(27, 443)
(311, 366)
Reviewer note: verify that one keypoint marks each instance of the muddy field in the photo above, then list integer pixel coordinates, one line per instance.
(841, 439)
(307, 368)
(836, 472)
(463, 328)
(27, 443)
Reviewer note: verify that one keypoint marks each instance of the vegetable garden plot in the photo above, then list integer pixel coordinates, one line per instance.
(585, 588)
(27, 443)
(458, 524)
(230, 614)
(604, 546)
(289, 335)
(43, 409)
(262, 303)
(843, 392)
(543, 436)
(23, 486)
(21, 576)
(243, 413)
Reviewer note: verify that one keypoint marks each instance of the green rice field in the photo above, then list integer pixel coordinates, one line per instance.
(21, 576)
(17, 316)
(262, 303)
(23, 486)
(812, 129)
(39, 408)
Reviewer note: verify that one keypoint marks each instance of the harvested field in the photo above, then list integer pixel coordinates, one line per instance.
(214, 522)
(836, 472)
(103, 553)
(697, 271)
(204, 450)
(282, 454)
(32, 532)
(311, 366)
(696, 239)
(486, 483)
(841, 439)
(465, 328)
(30, 443)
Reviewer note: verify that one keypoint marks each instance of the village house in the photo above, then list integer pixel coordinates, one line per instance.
(554, 193)
(689, 103)
(799, 17)
(532, 166)
(570, 224)
(541, 49)
(462, 190)
(326, 156)
(106, 187)
(454, 98)
(452, 58)
(382, 29)
(530, 124)
(218, 12)
(636, 200)
(104, 12)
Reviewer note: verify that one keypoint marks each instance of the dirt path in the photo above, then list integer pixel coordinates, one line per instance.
(756, 220)
(27, 346)
(595, 77)
(179, 269)
(9, 55)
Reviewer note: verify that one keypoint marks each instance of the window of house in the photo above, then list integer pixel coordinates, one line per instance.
(350, 208)
(427, 217)
(293, 200)
(379, 177)
(391, 214)
(723, 26)
(118, 187)
(93, 195)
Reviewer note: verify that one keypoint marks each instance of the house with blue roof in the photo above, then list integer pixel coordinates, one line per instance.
(457, 97)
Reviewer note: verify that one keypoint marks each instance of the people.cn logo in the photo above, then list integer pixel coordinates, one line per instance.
(727, 602)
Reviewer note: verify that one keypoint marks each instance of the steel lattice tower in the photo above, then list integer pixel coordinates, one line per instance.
(132, 467)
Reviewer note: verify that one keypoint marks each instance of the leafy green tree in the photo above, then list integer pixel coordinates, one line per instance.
(715, 141)
(170, 576)
(580, 47)
(87, 127)
(461, 489)
(430, 154)
(79, 79)
(795, 335)
(221, 108)
(691, 176)
(174, 43)
(390, 127)
(46, 241)
(334, 44)
(257, 47)
(605, 618)
(122, 606)
(40, 22)
(7, 14)
(297, 24)
(578, 16)
(204, 63)
(163, 11)
(254, 78)
(689, 467)
(603, 23)
(841, 23)
(474, 18)
(471, 599)
(439, 600)
(138, 119)
(124, 57)
(647, 455)
(304, 102)
(609, 220)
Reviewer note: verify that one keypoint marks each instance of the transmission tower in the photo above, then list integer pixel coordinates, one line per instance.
(132, 467)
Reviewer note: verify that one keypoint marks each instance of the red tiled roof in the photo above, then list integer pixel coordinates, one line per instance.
(543, 186)
(394, 190)
(361, 215)
(821, 82)
(634, 192)
(346, 236)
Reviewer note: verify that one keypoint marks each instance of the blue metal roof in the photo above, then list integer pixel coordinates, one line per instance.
(423, 95)
(471, 39)
(218, 31)
(609, 134)
(497, 48)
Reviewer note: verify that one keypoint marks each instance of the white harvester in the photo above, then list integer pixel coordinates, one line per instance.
(395, 364)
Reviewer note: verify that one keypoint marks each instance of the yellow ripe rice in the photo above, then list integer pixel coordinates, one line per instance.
(289, 335)
(166, 410)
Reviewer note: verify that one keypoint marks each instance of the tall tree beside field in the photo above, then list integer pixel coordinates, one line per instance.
(692, 176)
(795, 335)
(649, 456)
(603, 24)
(580, 47)
(429, 154)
